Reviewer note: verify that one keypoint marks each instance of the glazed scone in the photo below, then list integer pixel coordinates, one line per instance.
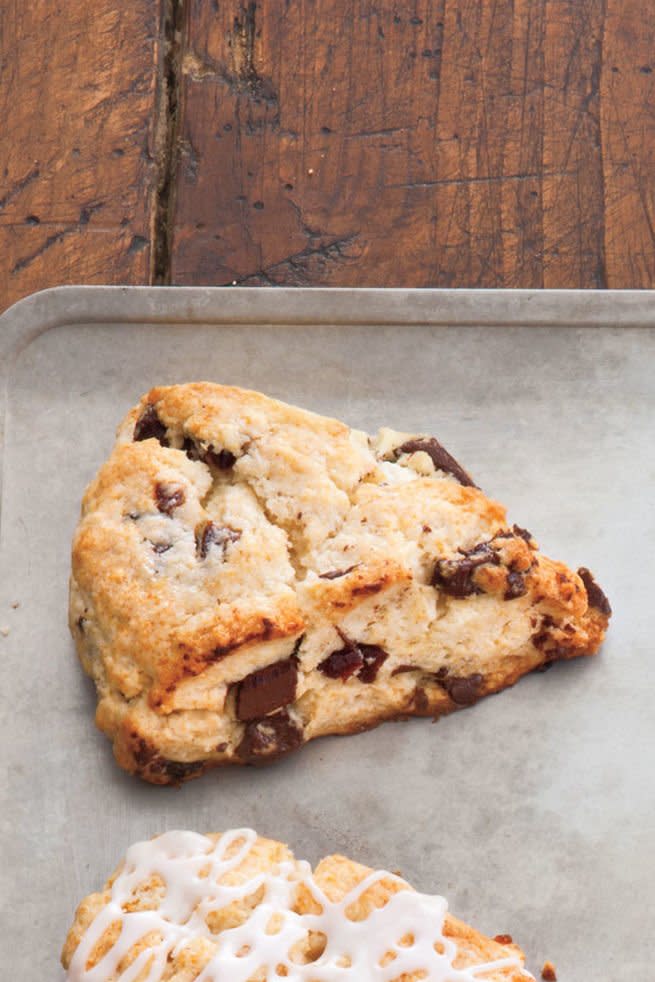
(247, 576)
(186, 907)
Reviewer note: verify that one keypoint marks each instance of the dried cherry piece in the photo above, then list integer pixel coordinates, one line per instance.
(168, 497)
(222, 459)
(149, 427)
(364, 660)
(209, 534)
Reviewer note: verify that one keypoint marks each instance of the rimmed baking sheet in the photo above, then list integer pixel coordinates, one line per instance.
(533, 811)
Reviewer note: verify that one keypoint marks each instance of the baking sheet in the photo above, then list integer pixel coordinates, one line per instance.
(533, 811)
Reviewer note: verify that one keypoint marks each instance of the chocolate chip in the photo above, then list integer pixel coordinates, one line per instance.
(595, 595)
(463, 691)
(221, 459)
(269, 738)
(515, 585)
(209, 534)
(440, 457)
(160, 547)
(336, 573)
(267, 689)
(168, 497)
(149, 426)
(455, 576)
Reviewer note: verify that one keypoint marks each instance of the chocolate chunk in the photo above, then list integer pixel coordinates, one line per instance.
(522, 533)
(269, 738)
(543, 635)
(440, 457)
(336, 573)
(168, 497)
(364, 660)
(267, 689)
(455, 576)
(544, 640)
(209, 534)
(178, 771)
(595, 595)
(420, 701)
(221, 459)
(161, 770)
(515, 585)
(149, 426)
(463, 691)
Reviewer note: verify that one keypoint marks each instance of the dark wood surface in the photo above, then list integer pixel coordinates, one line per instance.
(327, 142)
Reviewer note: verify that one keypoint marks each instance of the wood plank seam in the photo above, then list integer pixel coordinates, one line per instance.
(166, 139)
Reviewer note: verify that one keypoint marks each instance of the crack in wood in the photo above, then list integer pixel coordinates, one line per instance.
(19, 186)
(245, 76)
(330, 252)
(166, 135)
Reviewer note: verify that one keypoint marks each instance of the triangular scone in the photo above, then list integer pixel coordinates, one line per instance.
(237, 907)
(248, 576)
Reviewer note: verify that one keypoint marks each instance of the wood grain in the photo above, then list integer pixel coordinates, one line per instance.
(328, 142)
(78, 99)
(434, 143)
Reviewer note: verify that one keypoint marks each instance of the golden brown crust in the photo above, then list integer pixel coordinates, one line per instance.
(229, 533)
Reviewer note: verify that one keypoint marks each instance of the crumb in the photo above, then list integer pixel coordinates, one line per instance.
(15, 604)
(548, 972)
(503, 939)
(4, 631)
(397, 872)
(234, 282)
(310, 171)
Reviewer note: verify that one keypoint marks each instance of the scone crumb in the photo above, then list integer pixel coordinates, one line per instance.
(15, 604)
(548, 972)
(4, 631)
(503, 938)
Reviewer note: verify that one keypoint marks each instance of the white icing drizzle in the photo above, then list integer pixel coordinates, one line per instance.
(353, 951)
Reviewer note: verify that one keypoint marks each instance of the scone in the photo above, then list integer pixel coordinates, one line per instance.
(237, 907)
(248, 576)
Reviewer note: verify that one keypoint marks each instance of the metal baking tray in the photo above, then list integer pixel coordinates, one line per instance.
(533, 811)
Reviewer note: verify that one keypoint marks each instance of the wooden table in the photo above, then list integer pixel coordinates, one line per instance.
(327, 142)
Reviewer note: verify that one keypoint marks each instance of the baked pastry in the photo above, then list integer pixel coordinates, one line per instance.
(186, 907)
(248, 575)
